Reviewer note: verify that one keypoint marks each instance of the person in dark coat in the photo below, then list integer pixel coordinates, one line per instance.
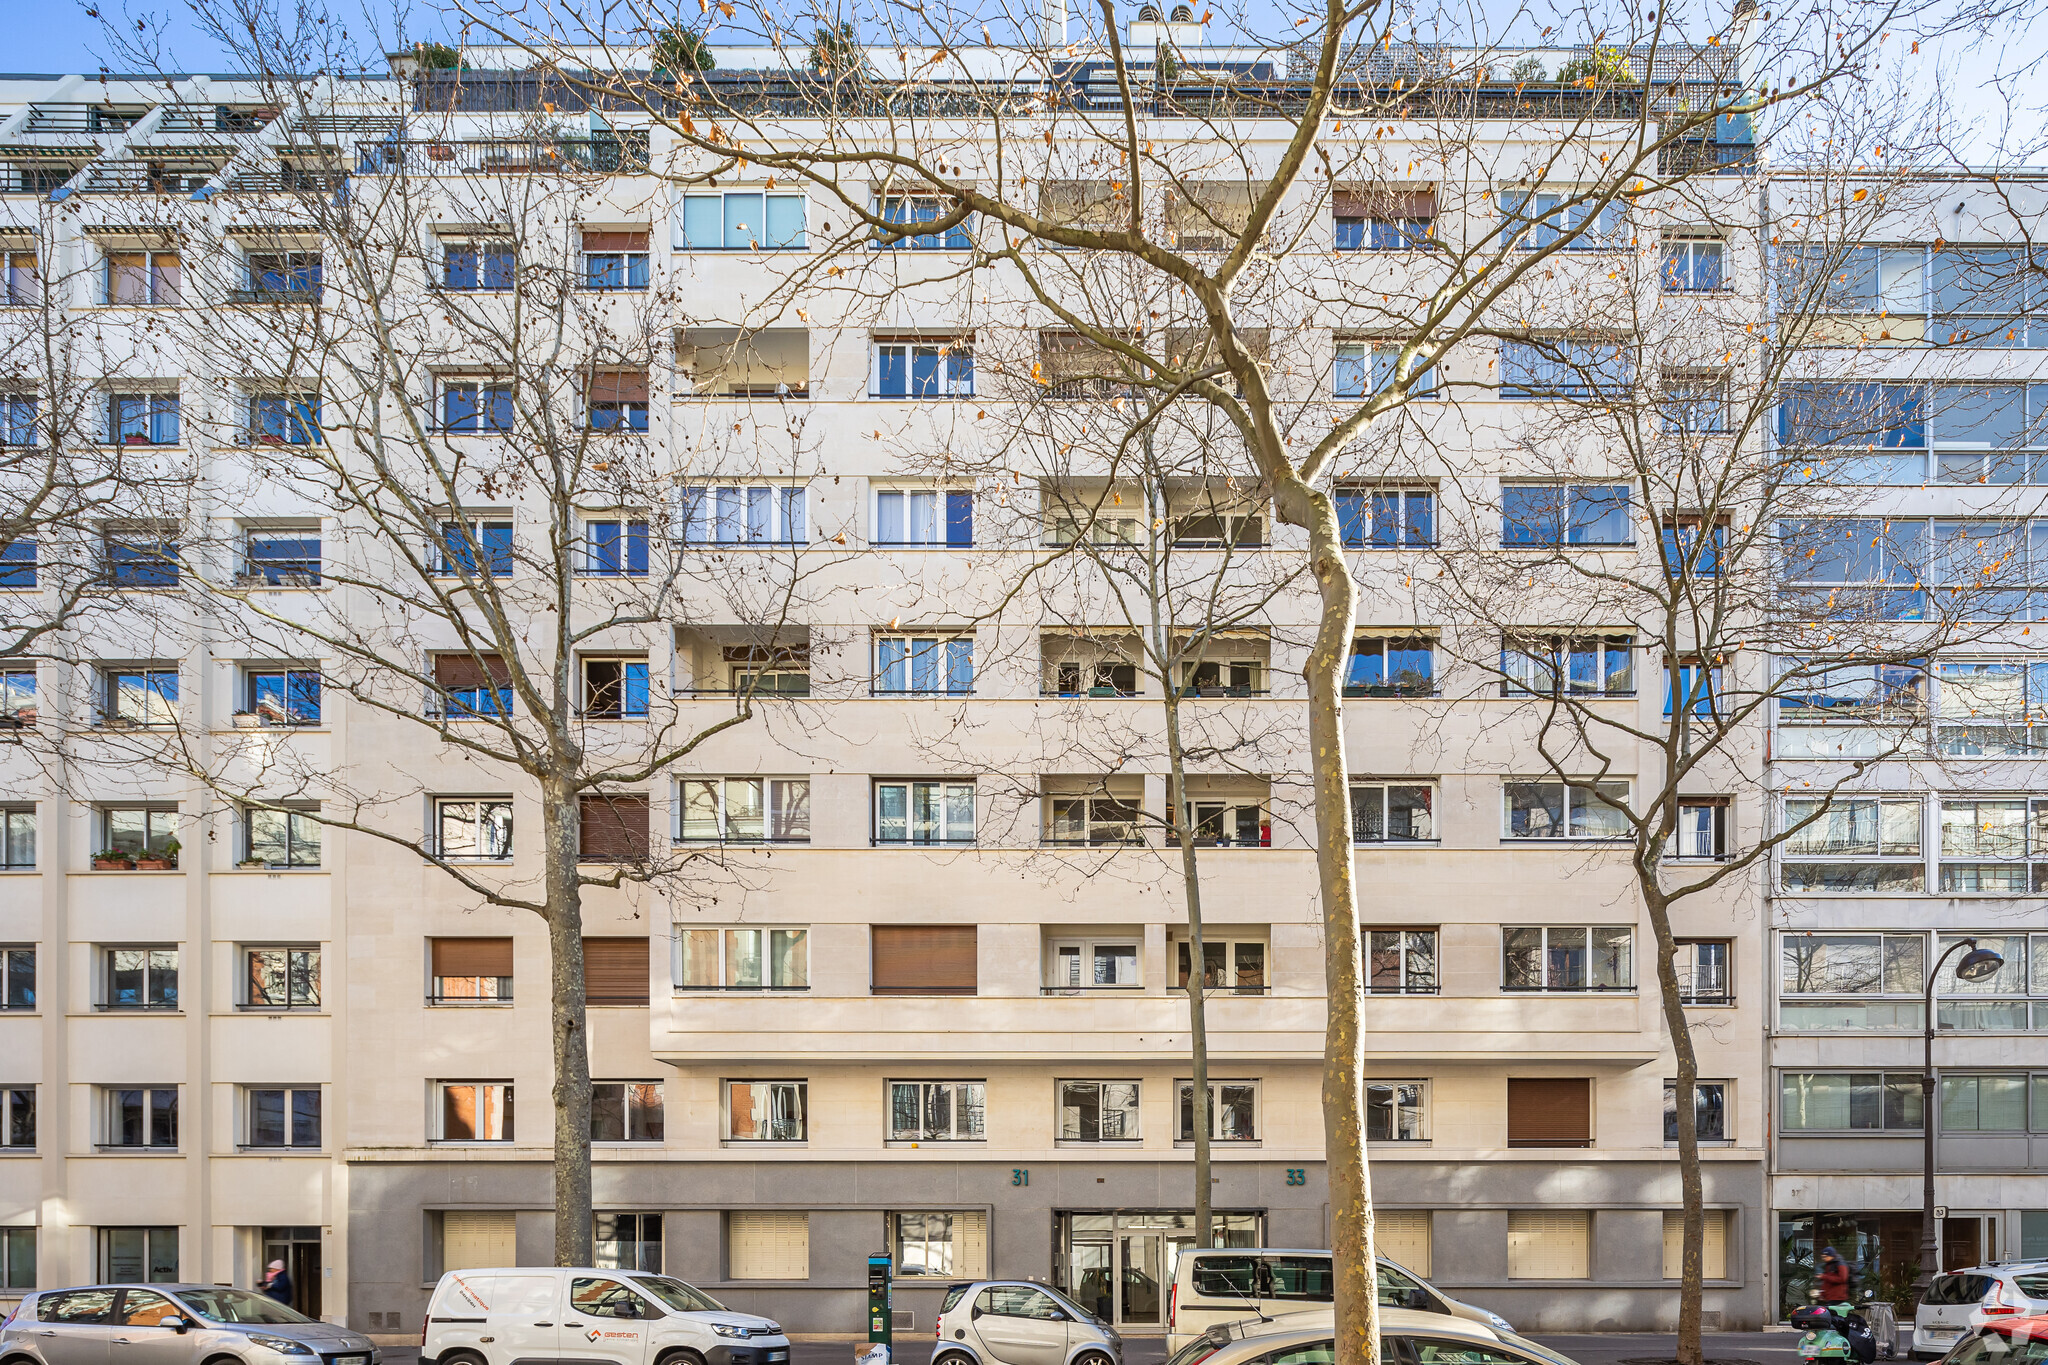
(276, 1283)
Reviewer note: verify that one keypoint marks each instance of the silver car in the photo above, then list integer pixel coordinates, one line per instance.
(172, 1324)
(1016, 1322)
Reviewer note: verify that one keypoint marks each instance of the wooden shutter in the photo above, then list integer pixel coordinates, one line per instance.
(471, 1241)
(925, 959)
(472, 956)
(1550, 1113)
(1402, 1236)
(1543, 1245)
(613, 828)
(615, 241)
(970, 1245)
(1713, 1244)
(619, 386)
(768, 1246)
(615, 971)
(453, 671)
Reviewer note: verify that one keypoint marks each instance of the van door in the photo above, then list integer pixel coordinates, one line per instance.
(606, 1322)
(509, 1317)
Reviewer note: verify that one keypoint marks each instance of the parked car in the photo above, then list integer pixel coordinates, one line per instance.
(581, 1316)
(1958, 1300)
(1211, 1287)
(1016, 1322)
(172, 1324)
(2004, 1341)
(1408, 1335)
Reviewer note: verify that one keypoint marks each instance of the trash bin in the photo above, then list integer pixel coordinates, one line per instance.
(1884, 1326)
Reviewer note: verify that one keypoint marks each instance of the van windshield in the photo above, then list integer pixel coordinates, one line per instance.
(239, 1305)
(677, 1296)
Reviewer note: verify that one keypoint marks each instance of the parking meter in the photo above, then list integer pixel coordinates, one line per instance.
(879, 1322)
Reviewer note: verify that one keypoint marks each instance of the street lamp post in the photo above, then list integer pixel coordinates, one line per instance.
(1977, 964)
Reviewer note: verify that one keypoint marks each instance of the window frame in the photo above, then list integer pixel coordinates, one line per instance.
(1099, 811)
(20, 560)
(483, 805)
(628, 1109)
(156, 686)
(734, 515)
(957, 1223)
(775, 814)
(154, 1117)
(902, 209)
(138, 559)
(951, 517)
(1134, 1110)
(1084, 950)
(269, 570)
(295, 688)
(771, 963)
(159, 982)
(478, 265)
(967, 1100)
(17, 1127)
(296, 818)
(646, 1226)
(1547, 960)
(1357, 673)
(161, 274)
(501, 1091)
(474, 405)
(1556, 670)
(2030, 862)
(1902, 1085)
(293, 973)
(1569, 501)
(1570, 797)
(946, 791)
(632, 268)
(1231, 980)
(952, 358)
(18, 831)
(1888, 873)
(1692, 993)
(1184, 1104)
(285, 418)
(152, 1242)
(458, 552)
(290, 1116)
(622, 553)
(298, 271)
(796, 1110)
(1720, 1087)
(18, 961)
(1386, 787)
(157, 423)
(1402, 951)
(156, 840)
(1692, 248)
(726, 228)
(623, 687)
(1364, 512)
(1394, 1108)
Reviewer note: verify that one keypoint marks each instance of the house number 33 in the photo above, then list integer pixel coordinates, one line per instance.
(1297, 1175)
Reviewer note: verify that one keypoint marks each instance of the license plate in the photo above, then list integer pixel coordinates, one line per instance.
(1944, 1331)
(774, 1356)
(351, 1360)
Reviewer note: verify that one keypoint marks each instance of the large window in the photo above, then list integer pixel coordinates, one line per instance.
(745, 810)
(924, 367)
(1995, 1103)
(1362, 369)
(1077, 964)
(1992, 708)
(1392, 812)
(17, 838)
(626, 1241)
(766, 1111)
(1565, 514)
(283, 696)
(142, 978)
(1383, 221)
(627, 1111)
(614, 689)
(284, 1117)
(474, 548)
(741, 220)
(476, 406)
(924, 666)
(1397, 1111)
(1229, 823)
(1554, 809)
(1883, 976)
(1386, 518)
(18, 562)
(1231, 962)
(924, 812)
(614, 261)
(1871, 565)
(742, 959)
(1847, 1101)
(141, 559)
(283, 276)
(473, 1111)
(937, 1111)
(144, 278)
(1599, 957)
(924, 516)
(615, 547)
(1098, 1111)
(140, 831)
(1538, 220)
(1400, 962)
(137, 1256)
(1710, 1111)
(1565, 367)
(1571, 665)
(1089, 821)
(142, 1117)
(908, 210)
(483, 266)
(469, 828)
(1391, 666)
(142, 419)
(284, 419)
(740, 514)
(18, 1117)
(1233, 1111)
(1996, 846)
(954, 1245)
(139, 696)
(281, 838)
(1870, 844)
(469, 971)
(1694, 265)
(283, 979)
(17, 978)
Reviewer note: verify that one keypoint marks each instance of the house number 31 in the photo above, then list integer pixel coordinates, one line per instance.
(1019, 1176)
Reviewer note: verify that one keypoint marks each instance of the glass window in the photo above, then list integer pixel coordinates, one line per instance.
(141, 696)
(18, 1259)
(627, 1241)
(1553, 809)
(1233, 1111)
(1702, 967)
(144, 278)
(1565, 367)
(284, 696)
(138, 1256)
(1237, 965)
(903, 211)
(742, 221)
(282, 838)
(740, 514)
(745, 810)
(284, 1117)
(1392, 812)
(1694, 265)
(627, 1111)
(142, 1117)
(615, 548)
(17, 978)
(1363, 369)
(1598, 958)
(473, 828)
(766, 1111)
(1098, 1111)
(18, 563)
(282, 559)
(475, 1111)
(1386, 518)
(615, 689)
(17, 838)
(1093, 965)
(21, 285)
(1092, 821)
(1391, 666)
(1401, 962)
(285, 272)
(142, 978)
(18, 1117)
(285, 419)
(1573, 665)
(937, 1111)
(142, 419)
(1868, 829)
(1535, 221)
(933, 368)
(284, 978)
(1566, 514)
(140, 559)
(141, 831)
(1710, 1111)
(748, 959)
(948, 1244)
(471, 406)
(1824, 1101)
(488, 266)
(1983, 1104)
(615, 260)
(1397, 1111)
(1852, 964)
(924, 812)
(924, 666)
(479, 547)
(1824, 691)
(922, 516)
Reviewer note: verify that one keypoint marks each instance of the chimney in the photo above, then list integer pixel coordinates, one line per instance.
(1053, 23)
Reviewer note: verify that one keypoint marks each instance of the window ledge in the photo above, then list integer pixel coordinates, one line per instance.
(297, 1011)
(270, 869)
(444, 1143)
(1397, 843)
(139, 1011)
(252, 1149)
(109, 1149)
(463, 1003)
(736, 990)
(1118, 1144)
(935, 1142)
(752, 1144)
(1226, 1144)
(11, 1150)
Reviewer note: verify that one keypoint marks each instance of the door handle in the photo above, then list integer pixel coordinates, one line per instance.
(124, 1341)
(486, 1338)
(543, 1324)
(572, 1324)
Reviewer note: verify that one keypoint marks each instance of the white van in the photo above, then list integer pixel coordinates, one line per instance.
(1226, 1285)
(556, 1315)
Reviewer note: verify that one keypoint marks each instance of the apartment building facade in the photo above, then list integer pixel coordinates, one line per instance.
(921, 992)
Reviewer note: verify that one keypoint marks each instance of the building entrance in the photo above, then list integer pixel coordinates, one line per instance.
(299, 1249)
(1120, 1265)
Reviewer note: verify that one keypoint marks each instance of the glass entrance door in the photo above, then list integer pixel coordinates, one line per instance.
(1141, 1295)
(1120, 1266)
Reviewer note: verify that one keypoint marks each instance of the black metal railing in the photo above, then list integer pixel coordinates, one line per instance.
(624, 152)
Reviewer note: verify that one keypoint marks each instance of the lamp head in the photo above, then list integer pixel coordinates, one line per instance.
(1978, 963)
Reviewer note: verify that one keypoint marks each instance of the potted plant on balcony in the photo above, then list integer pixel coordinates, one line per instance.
(158, 862)
(252, 864)
(248, 720)
(113, 860)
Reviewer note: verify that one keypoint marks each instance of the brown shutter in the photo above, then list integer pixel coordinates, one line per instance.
(472, 956)
(454, 671)
(1414, 204)
(615, 971)
(619, 386)
(1550, 1113)
(926, 959)
(1349, 204)
(613, 828)
(615, 241)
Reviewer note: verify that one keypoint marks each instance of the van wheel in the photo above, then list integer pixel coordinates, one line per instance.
(449, 1358)
(679, 1357)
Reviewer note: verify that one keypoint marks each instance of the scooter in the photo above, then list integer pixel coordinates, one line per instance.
(1842, 1337)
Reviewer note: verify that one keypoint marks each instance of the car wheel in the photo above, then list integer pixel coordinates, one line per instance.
(953, 1358)
(1093, 1358)
(681, 1356)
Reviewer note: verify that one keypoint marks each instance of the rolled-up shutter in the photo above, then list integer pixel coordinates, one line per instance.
(768, 1246)
(458, 671)
(1544, 1245)
(615, 971)
(1349, 204)
(619, 386)
(477, 1240)
(1713, 1244)
(615, 241)
(1550, 1113)
(1402, 1236)
(613, 828)
(1414, 204)
(472, 956)
(924, 959)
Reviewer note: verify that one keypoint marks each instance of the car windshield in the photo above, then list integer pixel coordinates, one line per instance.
(1074, 1308)
(1995, 1348)
(1200, 1348)
(677, 1296)
(238, 1305)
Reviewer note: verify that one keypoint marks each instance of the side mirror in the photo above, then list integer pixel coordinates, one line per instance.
(1057, 1316)
(178, 1325)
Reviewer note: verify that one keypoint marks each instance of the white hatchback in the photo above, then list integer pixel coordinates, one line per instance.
(1962, 1299)
(553, 1315)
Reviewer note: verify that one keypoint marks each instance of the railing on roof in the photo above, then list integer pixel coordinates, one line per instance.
(144, 177)
(34, 179)
(81, 118)
(625, 151)
(286, 180)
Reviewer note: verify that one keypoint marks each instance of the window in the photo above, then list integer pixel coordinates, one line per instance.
(470, 687)
(615, 261)
(142, 419)
(617, 971)
(921, 959)
(612, 828)
(140, 831)
(1565, 514)
(142, 1117)
(1702, 967)
(1872, 844)
(1209, 531)
(1572, 665)
(1397, 1111)
(138, 1256)
(1398, 221)
(626, 1241)
(1692, 687)
(742, 221)
(1220, 678)
(1392, 812)
(473, 1111)
(141, 696)
(1684, 554)
(17, 978)
(912, 516)
(475, 405)
(1090, 821)
(748, 959)
(1596, 958)
(626, 1111)
(141, 559)
(1844, 1101)
(284, 419)
(1982, 296)
(1558, 810)
(1363, 369)
(1550, 1113)
(614, 689)
(1693, 402)
(1565, 367)
(924, 812)
(1386, 518)
(1098, 1111)
(1992, 708)
(615, 548)
(1229, 963)
(905, 210)
(937, 1111)
(474, 547)
(954, 1245)
(18, 1117)
(1983, 1104)
(145, 278)
(470, 971)
(768, 673)
(1702, 829)
(1535, 221)
(17, 838)
(741, 514)
(21, 285)
(142, 979)
(282, 695)
(1391, 666)
(282, 560)
(1848, 425)
(1091, 964)
(17, 698)
(18, 1261)
(1092, 527)
(1852, 964)
(17, 420)
(768, 1246)
(485, 266)
(468, 827)
(1400, 962)
(1093, 678)
(617, 401)
(18, 562)
(924, 665)
(284, 978)
(1975, 431)
(281, 838)
(1233, 1111)
(284, 1117)
(1986, 845)
(1227, 823)
(933, 367)
(747, 810)
(1710, 1111)
(766, 1111)
(284, 272)
(1694, 265)
(1713, 1244)
(1861, 694)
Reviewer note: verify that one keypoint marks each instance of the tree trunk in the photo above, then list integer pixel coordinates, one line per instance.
(1691, 1258)
(1198, 1024)
(1351, 1211)
(561, 820)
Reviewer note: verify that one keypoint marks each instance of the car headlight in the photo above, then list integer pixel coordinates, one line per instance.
(282, 1345)
(726, 1329)
(1500, 1323)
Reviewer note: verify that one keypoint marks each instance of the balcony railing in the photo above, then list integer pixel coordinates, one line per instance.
(625, 152)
